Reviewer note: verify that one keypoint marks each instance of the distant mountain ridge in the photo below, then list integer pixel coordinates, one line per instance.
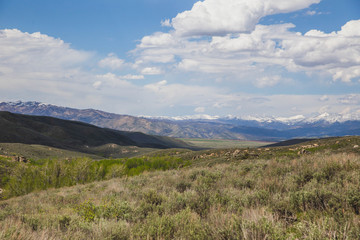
(249, 128)
(185, 129)
(297, 119)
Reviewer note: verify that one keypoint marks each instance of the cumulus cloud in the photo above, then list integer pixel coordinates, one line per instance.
(112, 80)
(151, 71)
(336, 54)
(214, 17)
(112, 62)
(224, 38)
(35, 64)
(36, 52)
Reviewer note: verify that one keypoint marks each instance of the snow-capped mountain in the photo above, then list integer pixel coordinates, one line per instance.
(203, 126)
(324, 117)
(297, 119)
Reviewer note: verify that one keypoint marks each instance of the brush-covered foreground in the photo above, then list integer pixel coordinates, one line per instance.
(280, 193)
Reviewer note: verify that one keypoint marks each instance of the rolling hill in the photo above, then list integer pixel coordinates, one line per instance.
(72, 135)
(306, 191)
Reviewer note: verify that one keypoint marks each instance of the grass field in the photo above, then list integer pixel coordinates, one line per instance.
(223, 143)
(35, 152)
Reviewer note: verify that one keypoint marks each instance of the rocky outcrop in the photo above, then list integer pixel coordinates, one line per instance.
(19, 159)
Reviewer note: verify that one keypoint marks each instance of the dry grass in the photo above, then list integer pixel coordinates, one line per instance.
(311, 197)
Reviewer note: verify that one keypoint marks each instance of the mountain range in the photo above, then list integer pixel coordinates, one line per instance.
(249, 128)
(74, 135)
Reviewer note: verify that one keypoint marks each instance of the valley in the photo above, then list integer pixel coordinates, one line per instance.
(309, 190)
(62, 179)
(223, 143)
(180, 120)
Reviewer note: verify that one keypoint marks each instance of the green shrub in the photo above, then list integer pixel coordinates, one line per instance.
(21, 179)
(315, 199)
(353, 198)
(86, 210)
(33, 222)
(328, 171)
(262, 229)
(304, 177)
(182, 186)
(258, 198)
(152, 197)
(119, 210)
(115, 171)
(176, 202)
(241, 183)
(64, 223)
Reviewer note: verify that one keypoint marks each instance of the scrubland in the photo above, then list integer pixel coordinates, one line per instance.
(280, 193)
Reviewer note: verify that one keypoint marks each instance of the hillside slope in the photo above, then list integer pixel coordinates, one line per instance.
(272, 193)
(49, 131)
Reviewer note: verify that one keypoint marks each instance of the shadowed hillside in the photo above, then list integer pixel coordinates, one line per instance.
(49, 131)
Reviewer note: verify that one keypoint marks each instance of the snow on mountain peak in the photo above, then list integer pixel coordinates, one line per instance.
(188, 117)
(296, 119)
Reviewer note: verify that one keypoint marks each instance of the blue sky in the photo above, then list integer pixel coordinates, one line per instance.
(174, 58)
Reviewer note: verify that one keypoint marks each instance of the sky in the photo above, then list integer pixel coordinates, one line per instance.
(183, 58)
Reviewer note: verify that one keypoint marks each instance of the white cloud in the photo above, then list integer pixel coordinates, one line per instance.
(346, 74)
(224, 38)
(337, 53)
(324, 98)
(158, 57)
(37, 65)
(311, 13)
(166, 23)
(112, 80)
(158, 39)
(351, 29)
(156, 86)
(36, 52)
(268, 81)
(214, 17)
(132, 77)
(112, 62)
(221, 102)
(151, 71)
(275, 46)
(97, 85)
(189, 65)
(199, 110)
(351, 99)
